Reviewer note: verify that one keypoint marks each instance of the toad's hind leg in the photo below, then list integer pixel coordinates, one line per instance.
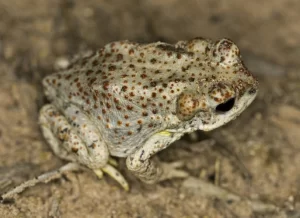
(74, 137)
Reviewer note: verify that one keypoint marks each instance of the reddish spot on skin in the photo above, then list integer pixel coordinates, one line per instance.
(92, 81)
(105, 85)
(75, 150)
(119, 57)
(68, 77)
(89, 72)
(107, 55)
(95, 97)
(108, 105)
(154, 111)
(124, 88)
(153, 84)
(131, 51)
(95, 63)
(112, 68)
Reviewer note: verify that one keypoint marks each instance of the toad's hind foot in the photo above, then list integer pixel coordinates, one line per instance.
(44, 178)
(114, 173)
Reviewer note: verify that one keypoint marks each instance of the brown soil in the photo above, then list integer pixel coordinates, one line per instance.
(249, 168)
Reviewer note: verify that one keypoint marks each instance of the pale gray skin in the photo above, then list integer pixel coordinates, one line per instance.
(133, 100)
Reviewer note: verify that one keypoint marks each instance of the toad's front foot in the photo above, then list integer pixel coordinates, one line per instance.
(114, 173)
(170, 171)
(151, 172)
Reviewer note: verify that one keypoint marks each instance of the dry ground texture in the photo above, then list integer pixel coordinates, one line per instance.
(249, 168)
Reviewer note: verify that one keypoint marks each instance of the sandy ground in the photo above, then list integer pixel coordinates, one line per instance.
(249, 168)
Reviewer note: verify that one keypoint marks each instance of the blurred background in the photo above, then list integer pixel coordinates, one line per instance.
(255, 158)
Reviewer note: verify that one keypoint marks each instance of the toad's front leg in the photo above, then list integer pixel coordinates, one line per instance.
(74, 137)
(147, 170)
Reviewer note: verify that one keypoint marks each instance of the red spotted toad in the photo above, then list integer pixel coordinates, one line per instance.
(133, 100)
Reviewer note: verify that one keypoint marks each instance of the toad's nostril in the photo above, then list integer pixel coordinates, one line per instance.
(226, 106)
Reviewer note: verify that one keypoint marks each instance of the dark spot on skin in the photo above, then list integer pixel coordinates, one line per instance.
(112, 68)
(64, 130)
(75, 150)
(153, 60)
(170, 48)
(124, 88)
(131, 51)
(119, 57)
(139, 129)
(153, 84)
(95, 63)
(93, 145)
(252, 91)
(207, 49)
(142, 153)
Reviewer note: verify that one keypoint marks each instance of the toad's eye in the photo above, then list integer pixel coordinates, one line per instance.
(226, 106)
